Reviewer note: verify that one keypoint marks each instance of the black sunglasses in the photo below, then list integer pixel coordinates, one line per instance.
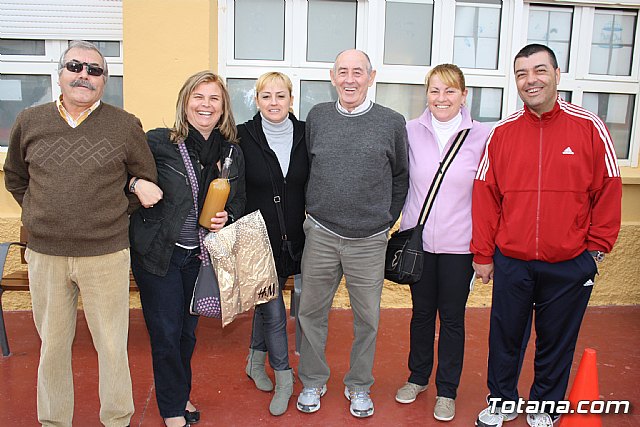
(76, 67)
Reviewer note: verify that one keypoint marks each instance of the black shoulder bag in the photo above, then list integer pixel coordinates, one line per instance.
(405, 257)
(287, 261)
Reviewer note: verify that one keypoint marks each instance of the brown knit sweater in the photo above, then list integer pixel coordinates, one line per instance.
(71, 182)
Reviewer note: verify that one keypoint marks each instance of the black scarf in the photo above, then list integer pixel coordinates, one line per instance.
(207, 152)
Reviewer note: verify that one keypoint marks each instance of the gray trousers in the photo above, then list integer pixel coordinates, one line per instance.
(325, 259)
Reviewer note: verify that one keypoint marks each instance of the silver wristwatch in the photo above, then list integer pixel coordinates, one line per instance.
(597, 255)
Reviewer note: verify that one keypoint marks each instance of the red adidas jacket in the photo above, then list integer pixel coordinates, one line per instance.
(547, 188)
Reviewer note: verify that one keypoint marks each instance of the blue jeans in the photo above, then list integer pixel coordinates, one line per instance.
(270, 331)
(165, 305)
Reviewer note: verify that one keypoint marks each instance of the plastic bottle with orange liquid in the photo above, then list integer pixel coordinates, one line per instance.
(217, 195)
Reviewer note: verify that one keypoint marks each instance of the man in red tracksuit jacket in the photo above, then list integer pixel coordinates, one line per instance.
(546, 207)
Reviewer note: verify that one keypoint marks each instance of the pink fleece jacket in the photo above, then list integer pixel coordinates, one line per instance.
(448, 227)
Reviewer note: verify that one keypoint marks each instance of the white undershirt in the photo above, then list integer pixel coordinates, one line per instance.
(359, 109)
(445, 130)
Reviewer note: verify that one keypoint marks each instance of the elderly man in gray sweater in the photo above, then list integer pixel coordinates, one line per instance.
(358, 181)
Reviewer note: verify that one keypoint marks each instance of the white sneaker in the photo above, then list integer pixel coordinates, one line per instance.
(486, 418)
(539, 420)
(361, 404)
(309, 398)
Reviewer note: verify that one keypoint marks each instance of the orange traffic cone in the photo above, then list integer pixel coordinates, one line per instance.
(585, 387)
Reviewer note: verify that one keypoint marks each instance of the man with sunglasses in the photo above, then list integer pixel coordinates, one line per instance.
(68, 166)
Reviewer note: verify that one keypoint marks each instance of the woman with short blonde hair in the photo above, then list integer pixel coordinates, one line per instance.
(276, 157)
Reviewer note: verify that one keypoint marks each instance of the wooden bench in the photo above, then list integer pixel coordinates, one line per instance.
(19, 281)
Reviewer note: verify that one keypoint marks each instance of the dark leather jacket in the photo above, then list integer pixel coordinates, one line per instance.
(153, 232)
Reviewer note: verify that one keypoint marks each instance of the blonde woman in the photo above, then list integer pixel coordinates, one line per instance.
(276, 156)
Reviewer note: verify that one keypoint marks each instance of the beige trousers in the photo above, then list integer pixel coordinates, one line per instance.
(103, 281)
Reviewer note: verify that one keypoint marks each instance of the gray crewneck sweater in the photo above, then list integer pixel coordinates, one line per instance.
(358, 177)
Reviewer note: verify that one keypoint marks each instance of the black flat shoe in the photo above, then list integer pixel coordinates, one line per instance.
(192, 417)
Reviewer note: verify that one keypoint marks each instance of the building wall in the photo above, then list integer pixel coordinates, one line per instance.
(166, 41)
(630, 195)
(181, 53)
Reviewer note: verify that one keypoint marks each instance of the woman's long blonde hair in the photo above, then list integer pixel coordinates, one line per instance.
(226, 124)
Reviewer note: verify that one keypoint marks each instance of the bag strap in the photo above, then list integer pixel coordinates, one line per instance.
(437, 179)
(191, 173)
(277, 199)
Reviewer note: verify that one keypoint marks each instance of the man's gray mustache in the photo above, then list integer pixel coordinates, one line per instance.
(83, 83)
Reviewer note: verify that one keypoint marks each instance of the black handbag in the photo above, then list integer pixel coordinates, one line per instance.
(289, 259)
(405, 257)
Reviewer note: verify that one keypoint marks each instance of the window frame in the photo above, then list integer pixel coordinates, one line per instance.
(576, 14)
(295, 22)
(300, 13)
(584, 48)
(578, 80)
(513, 35)
(501, 36)
(381, 11)
(227, 38)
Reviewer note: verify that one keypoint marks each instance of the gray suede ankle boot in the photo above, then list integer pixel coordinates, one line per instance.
(255, 370)
(284, 389)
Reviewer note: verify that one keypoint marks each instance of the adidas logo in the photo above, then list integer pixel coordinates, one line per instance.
(568, 150)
